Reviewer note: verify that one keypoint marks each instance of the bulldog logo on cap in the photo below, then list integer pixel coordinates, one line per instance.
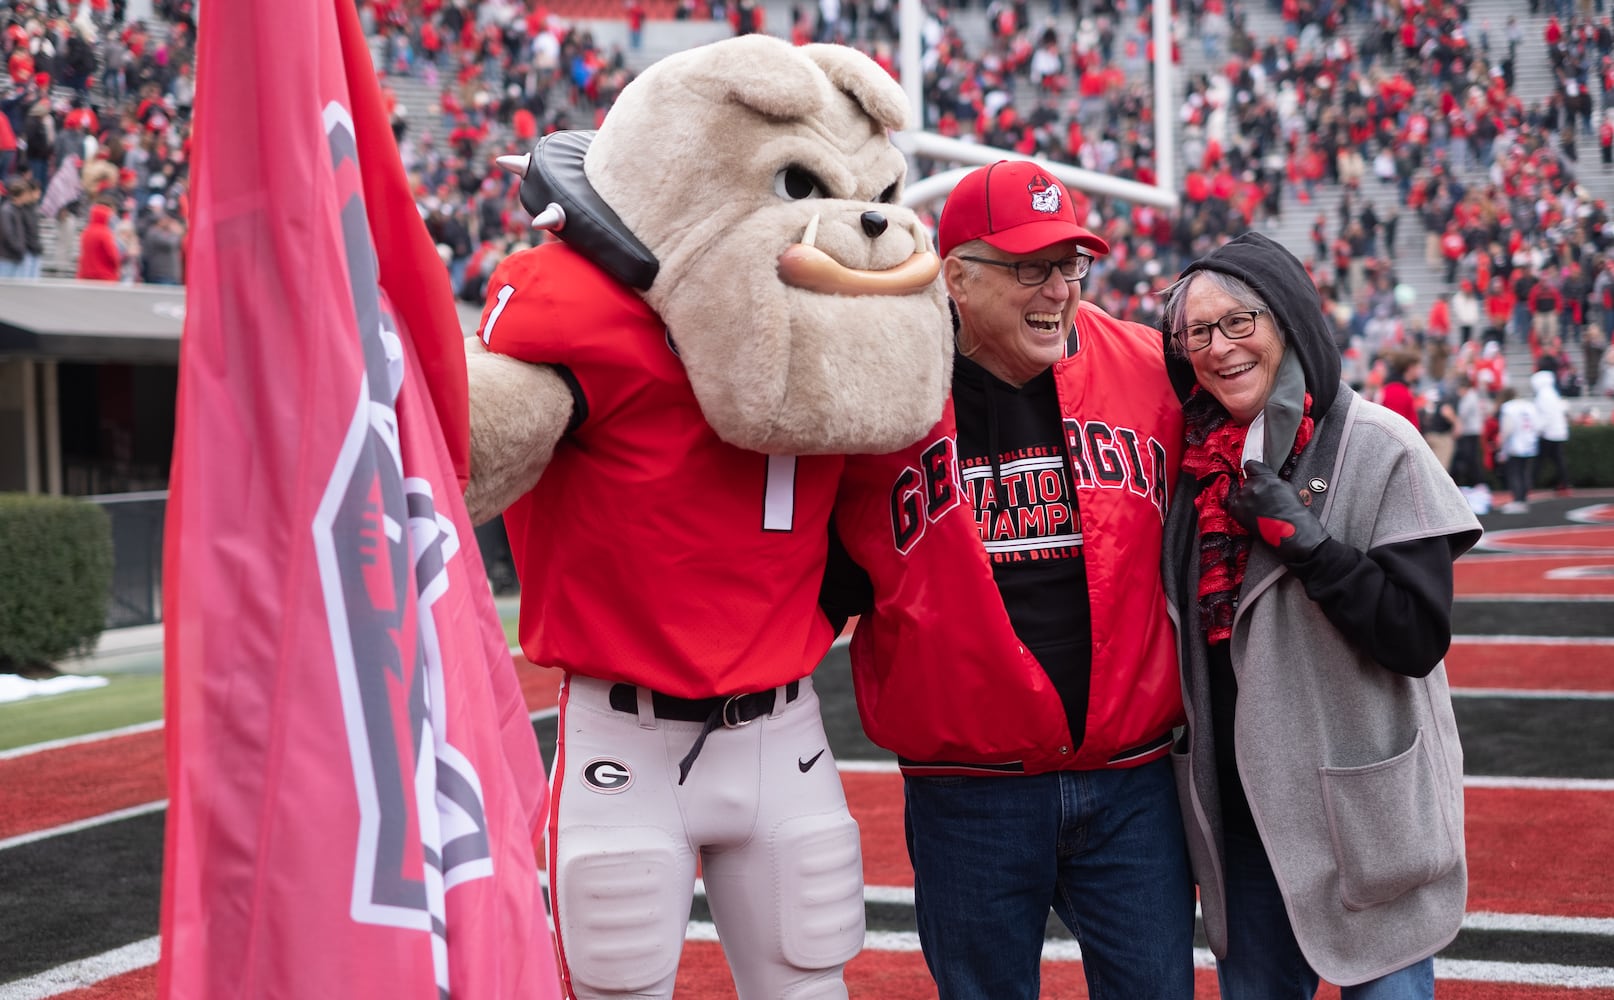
(1044, 195)
(1016, 206)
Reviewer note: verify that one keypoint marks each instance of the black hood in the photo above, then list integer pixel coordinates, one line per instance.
(1279, 278)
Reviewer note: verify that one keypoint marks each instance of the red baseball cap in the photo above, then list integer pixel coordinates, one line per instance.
(1014, 205)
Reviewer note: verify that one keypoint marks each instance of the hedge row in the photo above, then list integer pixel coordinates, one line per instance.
(1590, 454)
(55, 574)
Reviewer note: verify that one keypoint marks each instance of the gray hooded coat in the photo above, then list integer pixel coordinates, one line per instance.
(1353, 772)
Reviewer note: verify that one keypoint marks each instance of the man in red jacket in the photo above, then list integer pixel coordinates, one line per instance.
(99, 258)
(1016, 653)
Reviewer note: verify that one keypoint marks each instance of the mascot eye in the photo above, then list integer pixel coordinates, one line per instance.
(889, 195)
(795, 184)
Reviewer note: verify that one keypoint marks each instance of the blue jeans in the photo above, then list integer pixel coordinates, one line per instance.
(1263, 960)
(1103, 849)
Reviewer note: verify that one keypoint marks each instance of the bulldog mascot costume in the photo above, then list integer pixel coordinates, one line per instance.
(660, 403)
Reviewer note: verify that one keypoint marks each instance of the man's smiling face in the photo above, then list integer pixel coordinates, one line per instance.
(1014, 331)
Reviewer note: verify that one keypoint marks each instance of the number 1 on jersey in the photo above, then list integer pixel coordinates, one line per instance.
(779, 497)
(493, 317)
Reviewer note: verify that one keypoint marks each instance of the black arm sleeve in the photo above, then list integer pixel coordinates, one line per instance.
(579, 400)
(846, 589)
(1393, 602)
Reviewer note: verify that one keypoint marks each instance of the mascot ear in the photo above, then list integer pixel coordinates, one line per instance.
(880, 97)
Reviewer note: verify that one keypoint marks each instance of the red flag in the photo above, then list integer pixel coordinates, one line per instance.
(355, 790)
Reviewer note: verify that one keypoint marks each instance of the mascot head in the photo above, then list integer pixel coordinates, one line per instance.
(755, 187)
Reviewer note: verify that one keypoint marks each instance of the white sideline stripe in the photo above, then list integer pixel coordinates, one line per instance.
(1473, 970)
(86, 972)
(867, 766)
(1540, 784)
(1532, 922)
(1534, 640)
(73, 741)
(1531, 693)
(1533, 598)
(84, 824)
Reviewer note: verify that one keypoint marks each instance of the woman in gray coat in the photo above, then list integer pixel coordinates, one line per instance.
(1308, 566)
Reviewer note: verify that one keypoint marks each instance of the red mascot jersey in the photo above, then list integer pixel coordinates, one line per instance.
(650, 551)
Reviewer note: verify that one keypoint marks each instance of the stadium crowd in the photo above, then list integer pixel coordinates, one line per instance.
(94, 139)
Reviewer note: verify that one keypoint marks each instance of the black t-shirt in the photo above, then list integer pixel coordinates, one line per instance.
(1014, 468)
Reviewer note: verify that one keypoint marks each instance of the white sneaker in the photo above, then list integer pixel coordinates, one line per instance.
(1515, 507)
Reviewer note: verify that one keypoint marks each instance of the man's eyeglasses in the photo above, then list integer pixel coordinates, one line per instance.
(1234, 326)
(1035, 272)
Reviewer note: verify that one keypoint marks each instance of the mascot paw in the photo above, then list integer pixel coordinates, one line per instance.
(518, 412)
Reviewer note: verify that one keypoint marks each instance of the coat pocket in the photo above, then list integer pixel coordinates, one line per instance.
(1389, 825)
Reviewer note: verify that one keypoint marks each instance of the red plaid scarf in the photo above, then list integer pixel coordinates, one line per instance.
(1215, 456)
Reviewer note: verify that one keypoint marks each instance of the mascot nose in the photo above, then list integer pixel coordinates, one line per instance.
(874, 224)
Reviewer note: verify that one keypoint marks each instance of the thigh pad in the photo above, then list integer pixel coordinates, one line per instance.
(820, 868)
(622, 903)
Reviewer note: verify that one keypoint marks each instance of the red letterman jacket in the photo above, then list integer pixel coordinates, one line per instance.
(941, 678)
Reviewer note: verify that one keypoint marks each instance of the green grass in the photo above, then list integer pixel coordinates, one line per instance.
(127, 699)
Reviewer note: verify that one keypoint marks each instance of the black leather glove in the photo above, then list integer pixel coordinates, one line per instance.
(1270, 509)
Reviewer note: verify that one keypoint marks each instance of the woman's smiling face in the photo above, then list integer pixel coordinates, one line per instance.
(1239, 373)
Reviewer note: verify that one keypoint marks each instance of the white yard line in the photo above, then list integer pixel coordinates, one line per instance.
(1534, 640)
(85, 972)
(73, 741)
(1474, 971)
(1538, 923)
(84, 824)
(1540, 784)
(1533, 598)
(1531, 693)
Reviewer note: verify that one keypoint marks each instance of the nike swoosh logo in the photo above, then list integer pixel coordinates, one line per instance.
(807, 765)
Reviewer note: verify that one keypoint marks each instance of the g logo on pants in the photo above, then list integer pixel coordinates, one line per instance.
(608, 776)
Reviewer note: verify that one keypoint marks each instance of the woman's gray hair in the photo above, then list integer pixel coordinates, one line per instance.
(1176, 295)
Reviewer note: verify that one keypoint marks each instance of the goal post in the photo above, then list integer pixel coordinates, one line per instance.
(918, 142)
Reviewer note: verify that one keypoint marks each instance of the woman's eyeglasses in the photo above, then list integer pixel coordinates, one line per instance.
(1234, 326)
(1035, 272)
